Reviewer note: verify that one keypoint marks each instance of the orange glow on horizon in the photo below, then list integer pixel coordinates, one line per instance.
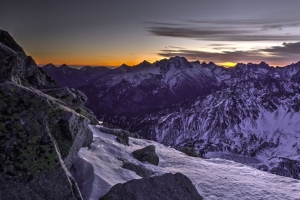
(227, 64)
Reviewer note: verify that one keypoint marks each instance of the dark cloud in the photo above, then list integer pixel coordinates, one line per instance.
(218, 45)
(273, 26)
(173, 47)
(254, 22)
(288, 52)
(285, 49)
(219, 34)
(162, 23)
(229, 30)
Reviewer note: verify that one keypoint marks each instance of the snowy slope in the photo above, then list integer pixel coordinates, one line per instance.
(249, 113)
(258, 119)
(213, 178)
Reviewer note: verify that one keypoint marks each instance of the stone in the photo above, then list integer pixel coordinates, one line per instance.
(189, 151)
(147, 154)
(123, 139)
(166, 187)
(138, 169)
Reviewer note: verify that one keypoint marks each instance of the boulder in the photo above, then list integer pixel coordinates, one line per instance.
(123, 139)
(147, 154)
(138, 169)
(166, 187)
(189, 151)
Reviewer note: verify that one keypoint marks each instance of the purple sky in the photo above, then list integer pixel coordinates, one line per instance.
(110, 32)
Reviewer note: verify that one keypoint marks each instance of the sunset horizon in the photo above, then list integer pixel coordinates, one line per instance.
(109, 33)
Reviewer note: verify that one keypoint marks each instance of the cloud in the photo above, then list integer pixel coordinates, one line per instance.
(162, 23)
(218, 45)
(286, 54)
(273, 26)
(284, 50)
(219, 34)
(263, 29)
(173, 47)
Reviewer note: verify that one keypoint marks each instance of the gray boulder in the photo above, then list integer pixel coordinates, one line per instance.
(189, 151)
(147, 154)
(166, 187)
(123, 139)
(138, 169)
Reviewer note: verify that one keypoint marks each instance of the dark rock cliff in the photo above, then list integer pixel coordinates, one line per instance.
(42, 127)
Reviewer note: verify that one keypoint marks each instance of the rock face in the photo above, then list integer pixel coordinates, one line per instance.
(166, 187)
(40, 133)
(147, 154)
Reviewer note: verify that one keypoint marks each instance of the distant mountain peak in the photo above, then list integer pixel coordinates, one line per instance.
(124, 66)
(49, 65)
(64, 66)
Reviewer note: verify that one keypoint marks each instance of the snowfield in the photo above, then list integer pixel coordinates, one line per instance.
(96, 170)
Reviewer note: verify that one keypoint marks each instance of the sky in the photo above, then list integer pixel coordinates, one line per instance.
(113, 32)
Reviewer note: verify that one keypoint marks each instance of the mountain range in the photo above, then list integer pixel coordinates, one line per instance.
(248, 113)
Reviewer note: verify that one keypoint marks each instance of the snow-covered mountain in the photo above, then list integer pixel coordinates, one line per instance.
(248, 113)
(73, 77)
(99, 168)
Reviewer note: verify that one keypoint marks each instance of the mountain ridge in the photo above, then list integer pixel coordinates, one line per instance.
(249, 110)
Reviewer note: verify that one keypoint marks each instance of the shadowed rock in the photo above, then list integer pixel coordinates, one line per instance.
(138, 169)
(147, 154)
(40, 134)
(166, 187)
(189, 151)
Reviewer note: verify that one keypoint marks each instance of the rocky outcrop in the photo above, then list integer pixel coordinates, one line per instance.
(74, 99)
(122, 135)
(40, 133)
(16, 66)
(147, 154)
(189, 151)
(138, 169)
(167, 187)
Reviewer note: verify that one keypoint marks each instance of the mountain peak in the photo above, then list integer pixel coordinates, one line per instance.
(64, 66)
(8, 41)
(124, 66)
(143, 64)
(49, 65)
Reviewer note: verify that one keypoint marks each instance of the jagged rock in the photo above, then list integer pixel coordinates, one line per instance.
(147, 154)
(88, 114)
(123, 139)
(73, 98)
(119, 132)
(17, 67)
(189, 151)
(39, 140)
(39, 135)
(138, 169)
(166, 187)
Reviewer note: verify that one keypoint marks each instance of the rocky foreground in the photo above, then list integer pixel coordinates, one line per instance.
(42, 127)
